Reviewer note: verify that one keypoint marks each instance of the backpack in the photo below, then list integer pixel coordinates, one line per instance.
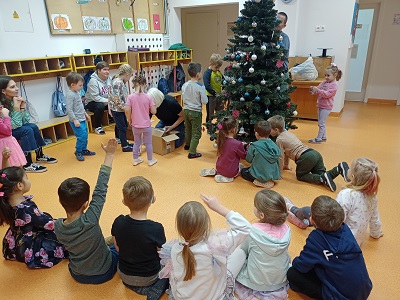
(86, 80)
(180, 78)
(58, 101)
(162, 83)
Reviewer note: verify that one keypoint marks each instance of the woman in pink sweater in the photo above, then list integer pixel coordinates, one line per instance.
(326, 92)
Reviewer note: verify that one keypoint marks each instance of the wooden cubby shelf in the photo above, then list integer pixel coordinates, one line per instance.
(58, 130)
(143, 59)
(84, 62)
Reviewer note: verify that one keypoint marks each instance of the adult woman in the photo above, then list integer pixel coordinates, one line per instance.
(27, 133)
(170, 114)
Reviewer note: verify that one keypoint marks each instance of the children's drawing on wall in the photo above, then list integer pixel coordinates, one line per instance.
(96, 23)
(127, 24)
(396, 19)
(103, 24)
(89, 23)
(60, 22)
(16, 16)
(142, 24)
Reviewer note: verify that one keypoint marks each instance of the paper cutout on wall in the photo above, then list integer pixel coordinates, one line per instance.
(103, 24)
(142, 24)
(156, 21)
(89, 23)
(16, 16)
(96, 23)
(127, 24)
(60, 22)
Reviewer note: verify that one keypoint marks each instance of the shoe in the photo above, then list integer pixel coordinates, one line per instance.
(186, 147)
(88, 152)
(241, 166)
(137, 161)
(118, 140)
(267, 185)
(343, 169)
(315, 141)
(208, 172)
(79, 156)
(220, 178)
(296, 221)
(128, 148)
(152, 162)
(99, 130)
(196, 155)
(328, 181)
(46, 159)
(324, 139)
(35, 168)
(289, 204)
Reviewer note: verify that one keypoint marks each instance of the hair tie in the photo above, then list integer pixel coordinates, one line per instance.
(333, 65)
(1, 194)
(219, 126)
(185, 243)
(3, 175)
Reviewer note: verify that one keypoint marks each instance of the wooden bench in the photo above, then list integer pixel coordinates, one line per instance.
(104, 122)
(57, 129)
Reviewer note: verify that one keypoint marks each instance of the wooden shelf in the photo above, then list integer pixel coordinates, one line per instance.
(84, 62)
(57, 129)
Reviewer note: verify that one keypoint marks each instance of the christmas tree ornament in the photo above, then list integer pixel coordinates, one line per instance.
(239, 19)
(247, 94)
(238, 57)
(250, 38)
(282, 54)
(267, 111)
(241, 131)
(278, 88)
(240, 79)
(242, 99)
(211, 138)
(254, 24)
(237, 66)
(287, 127)
(295, 113)
(224, 82)
(281, 38)
(251, 70)
(279, 63)
(215, 145)
(258, 1)
(254, 57)
(235, 113)
(257, 98)
(263, 82)
(228, 51)
(233, 81)
(263, 47)
(226, 57)
(288, 104)
(233, 56)
(282, 75)
(247, 57)
(277, 46)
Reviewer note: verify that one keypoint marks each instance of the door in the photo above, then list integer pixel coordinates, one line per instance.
(200, 33)
(361, 52)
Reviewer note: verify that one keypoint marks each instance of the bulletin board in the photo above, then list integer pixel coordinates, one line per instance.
(121, 16)
(156, 14)
(142, 20)
(96, 17)
(65, 7)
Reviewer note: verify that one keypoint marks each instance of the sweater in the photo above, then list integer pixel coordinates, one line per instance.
(97, 89)
(326, 93)
(194, 95)
(74, 105)
(212, 82)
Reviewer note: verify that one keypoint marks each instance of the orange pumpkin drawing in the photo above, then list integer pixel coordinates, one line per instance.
(61, 22)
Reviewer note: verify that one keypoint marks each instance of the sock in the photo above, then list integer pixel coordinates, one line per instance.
(39, 152)
(303, 213)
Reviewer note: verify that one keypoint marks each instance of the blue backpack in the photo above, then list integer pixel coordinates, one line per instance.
(162, 83)
(58, 101)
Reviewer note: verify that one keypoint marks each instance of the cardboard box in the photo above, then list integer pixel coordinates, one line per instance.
(164, 143)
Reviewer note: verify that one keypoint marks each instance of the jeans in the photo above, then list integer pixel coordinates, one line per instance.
(148, 141)
(247, 175)
(180, 128)
(98, 109)
(193, 129)
(97, 279)
(121, 126)
(81, 134)
(29, 137)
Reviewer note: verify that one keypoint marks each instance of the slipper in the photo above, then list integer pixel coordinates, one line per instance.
(220, 178)
(267, 185)
(315, 141)
(296, 221)
(208, 172)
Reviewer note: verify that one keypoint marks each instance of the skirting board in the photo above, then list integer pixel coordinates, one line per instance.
(336, 114)
(382, 101)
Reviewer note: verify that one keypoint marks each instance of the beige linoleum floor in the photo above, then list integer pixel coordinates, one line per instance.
(369, 130)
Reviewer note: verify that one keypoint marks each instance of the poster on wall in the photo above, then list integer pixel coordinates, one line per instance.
(16, 16)
(60, 22)
(354, 23)
(156, 22)
(142, 24)
(127, 24)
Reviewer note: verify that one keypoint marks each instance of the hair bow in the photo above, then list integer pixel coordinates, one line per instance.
(219, 126)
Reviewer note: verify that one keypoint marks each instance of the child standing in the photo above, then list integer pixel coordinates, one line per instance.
(77, 115)
(198, 266)
(309, 162)
(116, 102)
(326, 92)
(15, 156)
(263, 276)
(30, 238)
(139, 266)
(212, 79)
(194, 95)
(359, 200)
(229, 151)
(137, 110)
(91, 260)
(264, 156)
(331, 264)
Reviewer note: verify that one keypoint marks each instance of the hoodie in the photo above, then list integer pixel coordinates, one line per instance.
(267, 258)
(338, 262)
(264, 155)
(97, 89)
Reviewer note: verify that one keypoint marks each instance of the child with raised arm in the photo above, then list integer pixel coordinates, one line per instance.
(326, 92)
(263, 276)
(137, 110)
(194, 96)
(30, 238)
(229, 151)
(309, 162)
(91, 260)
(212, 79)
(264, 156)
(331, 264)
(77, 115)
(198, 265)
(138, 239)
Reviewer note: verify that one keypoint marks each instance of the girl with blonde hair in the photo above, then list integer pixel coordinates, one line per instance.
(198, 266)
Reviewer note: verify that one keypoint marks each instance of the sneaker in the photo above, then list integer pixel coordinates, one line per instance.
(343, 169)
(324, 139)
(128, 148)
(137, 161)
(208, 172)
(241, 166)
(99, 130)
(289, 204)
(88, 152)
(152, 162)
(220, 178)
(35, 168)
(267, 185)
(196, 155)
(296, 221)
(315, 141)
(79, 156)
(186, 147)
(328, 181)
(118, 140)
(46, 159)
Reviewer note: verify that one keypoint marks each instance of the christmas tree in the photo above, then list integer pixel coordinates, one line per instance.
(256, 84)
